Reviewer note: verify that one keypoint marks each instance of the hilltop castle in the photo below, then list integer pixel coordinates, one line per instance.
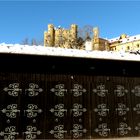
(60, 37)
(68, 38)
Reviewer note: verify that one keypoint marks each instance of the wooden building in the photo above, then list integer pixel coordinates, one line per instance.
(55, 97)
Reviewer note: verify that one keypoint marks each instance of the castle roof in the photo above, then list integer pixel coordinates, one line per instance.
(125, 40)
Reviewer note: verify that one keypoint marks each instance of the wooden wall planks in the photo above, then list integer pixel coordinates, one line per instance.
(52, 101)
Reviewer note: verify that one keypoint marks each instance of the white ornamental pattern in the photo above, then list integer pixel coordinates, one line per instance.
(31, 133)
(59, 90)
(100, 90)
(123, 129)
(11, 111)
(9, 133)
(78, 110)
(58, 132)
(103, 130)
(13, 89)
(32, 111)
(102, 110)
(137, 127)
(120, 91)
(137, 109)
(33, 90)
(58, 110)
(122, 109)
(78, 90)
(136, 90)
(78, 131)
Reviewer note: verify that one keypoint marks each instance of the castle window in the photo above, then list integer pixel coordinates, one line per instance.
(138, 45)
(128, 47)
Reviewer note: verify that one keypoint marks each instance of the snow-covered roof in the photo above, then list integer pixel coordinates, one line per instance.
(125, 40)
(113, 39)
(130, 39)
(53, 51)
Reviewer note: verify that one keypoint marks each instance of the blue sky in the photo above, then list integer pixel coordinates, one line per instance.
(29, 19)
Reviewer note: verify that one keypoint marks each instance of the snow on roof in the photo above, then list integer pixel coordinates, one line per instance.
(53, 51)
(130, 39)
(125, 40)
(113, 39)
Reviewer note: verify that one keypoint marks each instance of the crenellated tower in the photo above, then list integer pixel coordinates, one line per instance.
(73, 32)
(99, 43)
(58, 37)
(49, 37)
(51, 34)
(96, 38)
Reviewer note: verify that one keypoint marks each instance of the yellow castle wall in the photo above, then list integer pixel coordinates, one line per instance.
(129, 46)
(58, 37)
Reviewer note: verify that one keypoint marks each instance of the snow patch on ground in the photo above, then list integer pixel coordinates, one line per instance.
(53, 51)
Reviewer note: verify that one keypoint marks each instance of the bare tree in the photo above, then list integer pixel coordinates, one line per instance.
(25, 41)
(41, 42)
(34, 42)
(80, 43)
(86, 31)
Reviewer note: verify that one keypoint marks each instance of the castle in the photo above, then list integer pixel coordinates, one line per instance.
(60, 37)
(125, 43)
(68, 38)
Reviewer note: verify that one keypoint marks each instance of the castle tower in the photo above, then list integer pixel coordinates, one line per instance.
(96, 32)
(96, 38)
(51, 35)
(45, 38)
(58, 37)
(73, 32)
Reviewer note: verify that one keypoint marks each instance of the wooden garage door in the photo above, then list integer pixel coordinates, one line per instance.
(59, 106)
